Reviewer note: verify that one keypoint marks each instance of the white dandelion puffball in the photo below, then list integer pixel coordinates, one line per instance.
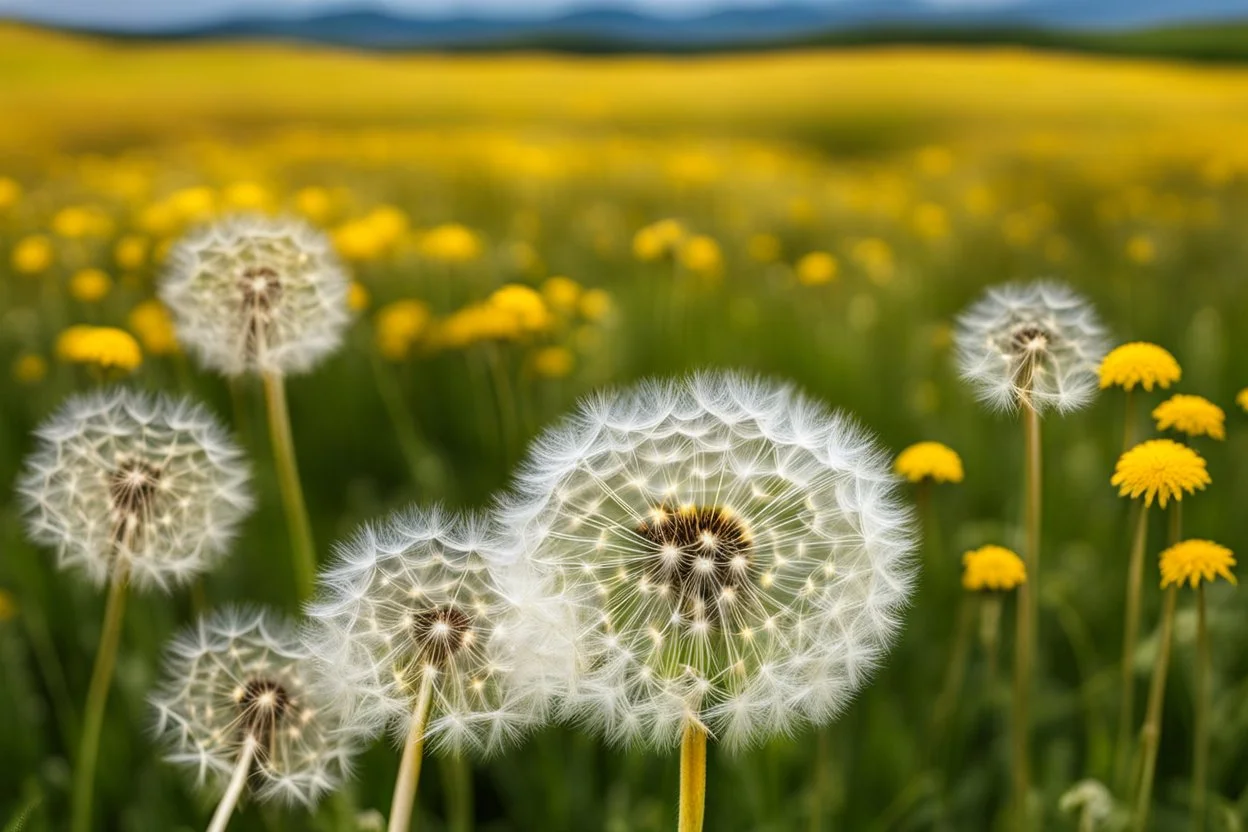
(424, 595)
(123, 482)
(239, 677)
(735, 556)
(260, 295)
(1039, 342)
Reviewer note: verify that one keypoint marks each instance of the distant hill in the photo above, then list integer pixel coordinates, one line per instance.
(1209, 29)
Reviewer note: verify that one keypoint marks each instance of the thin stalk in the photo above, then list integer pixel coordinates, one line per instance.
(1027, 624)
(457, 783)
(990, 636)
(820, 780)
(424, 468)
(504, 393)
(238, 781)
(692, 778)
(97, 699)
(955, 671)
(303, 551)
(1130, 634)
(1200, 740)
(413, 753)
(1128, 428)
(1150, 736)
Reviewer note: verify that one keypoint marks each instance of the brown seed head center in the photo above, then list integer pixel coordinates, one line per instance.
(703, 554)
(263, 703)
(440, 633)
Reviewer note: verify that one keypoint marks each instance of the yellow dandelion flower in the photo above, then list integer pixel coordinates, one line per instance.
(1161, 469)
(1242, 399)
(313, 203)
(931, 221)
(103, 347)
(929, 460)
(10, 192)
(77, 221)
(357, 240)
(1193, 561)
(595, 305)
(29, 368)
(451, 243)
(701, 255)
(1192, 415)
(992, 568)
(553, 362)
(817, 268)
(246, 196)
(32, 255)
(562, 293)
(1141, 250)
(153, 324)
(89, 285)
(1141, 363)
(130, 252)
(658, 239)
(399, 326)
(358, 297)
(525, 304)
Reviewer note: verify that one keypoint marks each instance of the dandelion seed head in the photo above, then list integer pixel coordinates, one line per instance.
(992, 569)
(929, 461)
(1160, 469)
(257, 295)
(1192, 561)
(427, 594)
(241, 677)
(1139, 363)
(732, 554)
(1039, 342)
(122, 480)
(1191, 415)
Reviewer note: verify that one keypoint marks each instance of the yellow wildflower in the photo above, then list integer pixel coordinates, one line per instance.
(77, 221)
(992, 568)
(89, 285)
(1139, 363)
(1160, 468)
(313, 203)
(929, 460)
(131, 251)
(195, 204)
(659, 239)
(562, 293)
(1193, 561)
(701, 255)
(931, 221)
(451, 243)
(816, 268)
(29, 368)
(357, 240)
(32, 254)
(1192, 415)
(1242, 398)
(358, 297)
(1141, 250)
(595, 305)
(876, 258)
(525, 304)
(553, 362)
(103, 347)
(399, 326)
(151, 321)
(246, 196)
(10, 192)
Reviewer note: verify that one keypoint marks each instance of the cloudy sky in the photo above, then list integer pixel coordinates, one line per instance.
(162, 12)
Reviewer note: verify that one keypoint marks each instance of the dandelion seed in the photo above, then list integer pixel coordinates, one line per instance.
(1191, 415)
(415, 631)
(236, 705)
(1037, 344)
(257, 295)
(929, 461)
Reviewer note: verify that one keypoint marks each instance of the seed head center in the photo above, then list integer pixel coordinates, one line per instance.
(440, 633)
(702, 553)
(263, 703)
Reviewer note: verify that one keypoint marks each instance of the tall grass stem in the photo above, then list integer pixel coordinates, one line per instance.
(300, 528)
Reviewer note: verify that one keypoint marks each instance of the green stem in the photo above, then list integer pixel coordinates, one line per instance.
(819, 788)
(1200, 740)
(1130, 634)
(413, 753)
(1151, 734)
(424, 468)
(304, 553)
(508, 413)
(457, 784)
(1027, 620)
(990, 637)
(955, 671)
(1128, 428)
(692, 778)
(97, 700)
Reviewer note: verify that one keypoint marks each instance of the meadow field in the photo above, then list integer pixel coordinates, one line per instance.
(818, 216)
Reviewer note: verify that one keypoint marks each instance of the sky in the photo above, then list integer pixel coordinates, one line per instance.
(126, 13)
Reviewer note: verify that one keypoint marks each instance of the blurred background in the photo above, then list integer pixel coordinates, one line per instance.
(810, 190)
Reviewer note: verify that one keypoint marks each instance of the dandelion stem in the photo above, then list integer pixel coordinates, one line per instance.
(97, 699)
(506, 398)
(1130, 634)
(413, 752)
(424, 468)
(288, 481)
(457, 782)
(692, 778)
(1026, 626)
(819, 785)
(1200, 739)
(238, 781)
(990, 636)
(1151, 734)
